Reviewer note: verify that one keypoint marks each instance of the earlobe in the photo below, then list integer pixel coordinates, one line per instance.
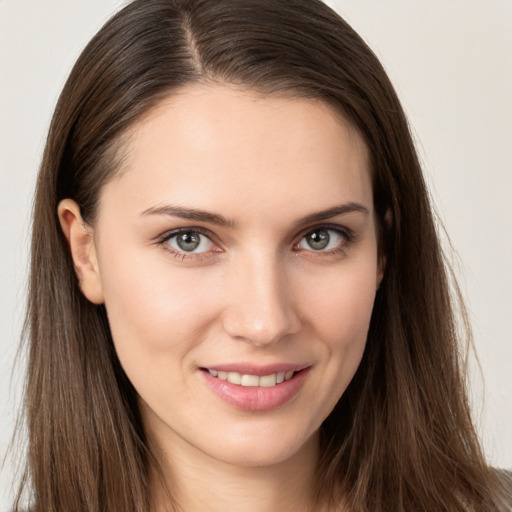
(83, 250)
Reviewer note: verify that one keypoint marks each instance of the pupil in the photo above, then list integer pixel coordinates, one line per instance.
(188, 241)
(318, 239)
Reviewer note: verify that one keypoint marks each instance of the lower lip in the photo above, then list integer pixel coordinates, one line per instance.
(256, 398)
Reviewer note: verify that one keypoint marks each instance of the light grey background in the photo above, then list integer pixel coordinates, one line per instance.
(451, 63)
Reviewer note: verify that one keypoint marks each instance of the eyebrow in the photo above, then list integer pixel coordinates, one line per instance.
(333, 212)
(219, 220)
(190, 214)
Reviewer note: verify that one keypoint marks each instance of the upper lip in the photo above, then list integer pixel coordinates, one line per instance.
(258, 370)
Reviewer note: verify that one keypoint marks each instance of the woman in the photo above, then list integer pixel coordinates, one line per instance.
(237, 296)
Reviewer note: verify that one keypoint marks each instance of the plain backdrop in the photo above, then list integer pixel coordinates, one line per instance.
(451, 62)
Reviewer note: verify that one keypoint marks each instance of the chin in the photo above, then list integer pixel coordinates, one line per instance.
(264, 450)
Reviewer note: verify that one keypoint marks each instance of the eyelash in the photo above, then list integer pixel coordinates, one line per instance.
(346, 234)
(182, 255)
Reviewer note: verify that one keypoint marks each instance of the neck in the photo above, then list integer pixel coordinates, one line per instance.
(199, 482)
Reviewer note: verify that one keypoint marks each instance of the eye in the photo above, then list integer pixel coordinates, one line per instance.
(322, 239)
(189, 242)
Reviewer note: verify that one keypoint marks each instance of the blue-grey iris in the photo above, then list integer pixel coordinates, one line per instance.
(318, 240)
(188, 241)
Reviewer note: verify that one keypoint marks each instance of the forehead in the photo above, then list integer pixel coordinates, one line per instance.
(220, 145)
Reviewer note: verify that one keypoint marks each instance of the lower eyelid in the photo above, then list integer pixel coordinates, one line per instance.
(183, 255)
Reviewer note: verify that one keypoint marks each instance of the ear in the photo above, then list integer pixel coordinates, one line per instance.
(83, 251)
(381, 267)
(381, 264)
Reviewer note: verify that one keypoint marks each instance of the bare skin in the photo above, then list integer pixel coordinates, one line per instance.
(238, 240)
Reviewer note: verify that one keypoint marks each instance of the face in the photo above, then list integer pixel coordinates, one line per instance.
(236, 254)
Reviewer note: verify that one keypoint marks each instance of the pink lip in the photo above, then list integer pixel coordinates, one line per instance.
(256, 398)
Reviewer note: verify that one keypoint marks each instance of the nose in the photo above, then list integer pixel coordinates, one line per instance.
(260, 307)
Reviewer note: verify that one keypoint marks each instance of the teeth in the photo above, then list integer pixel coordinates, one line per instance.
(250, 381)
(234, 378)
(268, 381)
(265, 381)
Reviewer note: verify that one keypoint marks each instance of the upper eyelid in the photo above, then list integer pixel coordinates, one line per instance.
(349, 233)
(174, 232)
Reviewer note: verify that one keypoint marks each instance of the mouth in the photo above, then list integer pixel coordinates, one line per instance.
(252, 381)
(256, 389)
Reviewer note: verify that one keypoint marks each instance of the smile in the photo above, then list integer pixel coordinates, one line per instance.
(253, 381)
(256, 389)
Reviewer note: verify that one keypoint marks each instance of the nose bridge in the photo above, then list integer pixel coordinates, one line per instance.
(261, 310)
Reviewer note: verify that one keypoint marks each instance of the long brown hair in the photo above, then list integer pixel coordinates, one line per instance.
(400, 438)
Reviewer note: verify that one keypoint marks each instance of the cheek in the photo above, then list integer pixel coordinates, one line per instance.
(339, 314)
(340, 303)
(153, 310)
